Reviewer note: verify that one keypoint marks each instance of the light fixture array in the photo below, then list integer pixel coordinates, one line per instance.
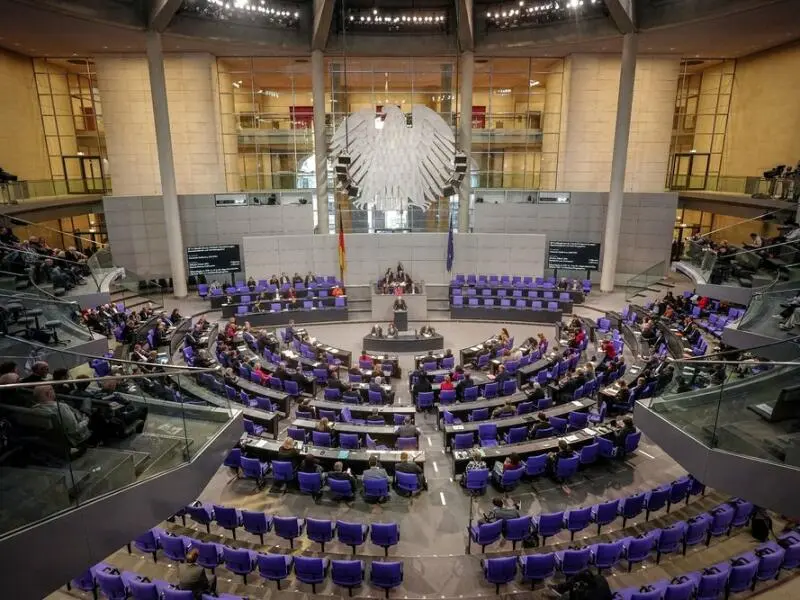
(534, 13)
(395, 20)
(259, 10)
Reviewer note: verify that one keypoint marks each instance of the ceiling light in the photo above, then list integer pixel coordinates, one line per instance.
(533, 83)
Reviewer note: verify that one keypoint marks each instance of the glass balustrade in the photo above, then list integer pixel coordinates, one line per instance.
(641, 282)
(737, 403)
(67, 442)
(28, 313)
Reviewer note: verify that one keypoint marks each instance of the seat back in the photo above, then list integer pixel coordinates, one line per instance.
(538, 566)
(384, 534)
(501, 570)
(386, 575)
(633, 505)
(347, 573)
(309, 569)
(551, 523)
(352, 534)
(535, 465)
(575, 561)
(605, 512)
(310, 483)
(477, 479)
(578, 519)
(286, 527)
(255, 521)
(319, 530)
(607, 555)
(488, 533)
(273, 566)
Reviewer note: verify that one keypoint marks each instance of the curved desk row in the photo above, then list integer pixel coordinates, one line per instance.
(282, 317)
(218, 301)
(576, 439)
(509, 313)
(386, 434)
(522, 293)
(403, 342)
(356, 460)
(362, 411)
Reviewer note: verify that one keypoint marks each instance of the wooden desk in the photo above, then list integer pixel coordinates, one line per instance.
(356, 460)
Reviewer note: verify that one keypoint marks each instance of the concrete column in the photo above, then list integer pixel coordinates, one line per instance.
(621, 134)
(320, 142)
(166, 164)
(465, 137)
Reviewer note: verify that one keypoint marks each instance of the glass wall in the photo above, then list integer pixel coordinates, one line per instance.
(700, 121)
(267, 122)
(72, 120)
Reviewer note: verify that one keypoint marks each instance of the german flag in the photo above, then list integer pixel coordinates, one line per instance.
(342, 252)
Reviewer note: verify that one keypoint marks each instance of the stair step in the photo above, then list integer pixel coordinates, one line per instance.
(664, 284)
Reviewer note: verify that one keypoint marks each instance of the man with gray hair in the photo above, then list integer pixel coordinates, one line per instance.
(74, 424)
(340, 474)
(39, 371)
(537, 393)
(13, 397)
(377, 386)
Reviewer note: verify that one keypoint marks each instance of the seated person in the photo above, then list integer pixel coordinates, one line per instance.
(290, 295)
(274, 280)
(464, 384)
(335, 384)
(447, 384)
(305, 406)
(563, 284)
(407, 429)
(407, 466)
(324, 426)
(423, 384)
(377, 386)
(74, 424)
(511, 462)
(310, 464)
(502, 376)
(541, 423)
(503, 336)
(251, 284)
(297, 278)
(193, 578)
(336, 291)
(376, 331)
(476, 463)
(537, 393)
(340, 474)
(391, 330)
(564, 451)
(621, 433)
(288, 450)
(718, 375)
(623, 397)
(375, 471)
(365, 357)
(427, 331)
(399, 304)
(502, 412)
(502, 510)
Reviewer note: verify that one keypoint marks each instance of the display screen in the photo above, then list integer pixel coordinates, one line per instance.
(579, 256)
(204, 260)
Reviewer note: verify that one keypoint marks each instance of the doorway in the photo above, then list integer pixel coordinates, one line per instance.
(84, 174)
(689, 171)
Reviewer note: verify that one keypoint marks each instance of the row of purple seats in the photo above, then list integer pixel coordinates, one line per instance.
(277, 567)
(513, 294)
(220, 388)
(263, 285)
(348, 441)
(575, 520)
(284, 473)
(458, 302)
(740, 574)
(339, 302)
(516, 281)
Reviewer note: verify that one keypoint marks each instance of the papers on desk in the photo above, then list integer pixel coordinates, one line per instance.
(260, 443)
(343, 454)
(590, 431)
(572, 438)
(458, 427)
(577, 403)
(635, 369)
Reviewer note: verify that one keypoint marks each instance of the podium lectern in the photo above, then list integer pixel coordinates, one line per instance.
(401, 320)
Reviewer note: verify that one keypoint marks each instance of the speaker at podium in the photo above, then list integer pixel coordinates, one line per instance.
(401, 319)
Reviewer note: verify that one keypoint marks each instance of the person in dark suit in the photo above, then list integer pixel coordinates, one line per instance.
(621, 433)
(193, 577)
(462, 385)
(335, 384)
(376, 385)
(541, 423)
(406, 466)
(423, 384)
(537, 393)
(399, 304)
(391, 330)
(340, 474)
(564, 451)
(502, 376)
(376, 331)
(281, 372)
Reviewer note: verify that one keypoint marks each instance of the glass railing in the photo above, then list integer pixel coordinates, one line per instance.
(786, 189)
(48, 269)
(702, 256)
(69, 441)
(20, 192)
(641, 282)
(769, 309)
(404, 220)
(35, 315)
(744, 406)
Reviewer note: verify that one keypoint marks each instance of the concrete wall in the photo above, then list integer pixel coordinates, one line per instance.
(422, 254)
(588, 121)
(645, 235)
(22, 144)
(138, 234)
(764, 117)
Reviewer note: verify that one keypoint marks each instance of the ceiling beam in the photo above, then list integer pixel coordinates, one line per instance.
(466, 25)
(162, 12)
(622, 14)
(323, 15)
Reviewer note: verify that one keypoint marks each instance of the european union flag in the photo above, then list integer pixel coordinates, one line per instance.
(450, 249)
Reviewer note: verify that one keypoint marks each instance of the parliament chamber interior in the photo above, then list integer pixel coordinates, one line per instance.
(531, 332)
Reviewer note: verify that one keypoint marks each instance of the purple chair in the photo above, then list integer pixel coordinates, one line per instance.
(577, 520)
(227, 518)
(567, 467)
(743, 574)
(744, 511)
(721, 519)
(671, 539)
(710, 583)
(770, 558)
(310, 483)
(571, 562)
(476, 481)
(311, 570)
(499, 571)
(677, 588)
(274, 567)
(407, 483)
(605, 513)
(114, 585)
(679, 490)
(577, 420)
(252, 468)
(347, 573)
(87, 582)
(349, 441)
(320, 530)
(202, 514)
(386, 575)
(484, 534)
(656, 500)
(175, 594)
(375, 489)
(630, 507)
(146, 590)
(352, 534)
(487, 435)
(341, 488)
(463, 441)
(696, 530)
(509, 479)
(517, 530)
(239, 560)
(175, 547)
(282, 471)
(637, 549)
(209, 554)
(644, 592)
(516, 435)
(606, 556)
(536, 465)
(588, 454)
(407, 443)
(288, 528)
(548, 524)
(385, 535)
(147, 542)
(322, 439)
(537, 567)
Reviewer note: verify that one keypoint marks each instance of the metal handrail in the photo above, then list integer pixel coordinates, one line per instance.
(188, 370)
(745, 221)
(20, 221)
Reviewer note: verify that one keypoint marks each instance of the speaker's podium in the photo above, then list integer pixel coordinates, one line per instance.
(401, 320)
